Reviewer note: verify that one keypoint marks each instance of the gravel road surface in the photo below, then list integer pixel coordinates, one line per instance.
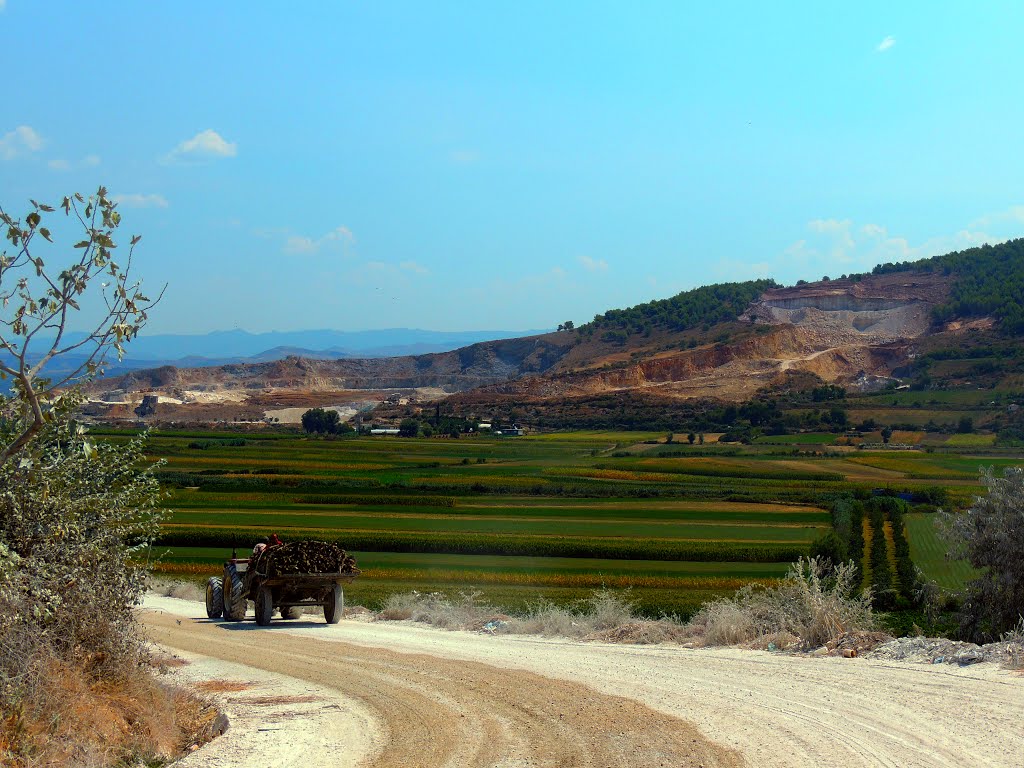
(418, 696)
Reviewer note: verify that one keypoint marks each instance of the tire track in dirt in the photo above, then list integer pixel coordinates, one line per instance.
(441, 712)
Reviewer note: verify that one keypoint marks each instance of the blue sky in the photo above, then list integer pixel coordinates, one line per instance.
(468, 166)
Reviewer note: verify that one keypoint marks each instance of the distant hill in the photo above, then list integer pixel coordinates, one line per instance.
(238, 344)
(726, 342)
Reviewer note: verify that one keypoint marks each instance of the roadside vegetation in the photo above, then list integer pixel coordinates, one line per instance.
(812, 605)
(76, 684)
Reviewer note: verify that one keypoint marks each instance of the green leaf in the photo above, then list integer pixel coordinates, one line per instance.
(45, 233)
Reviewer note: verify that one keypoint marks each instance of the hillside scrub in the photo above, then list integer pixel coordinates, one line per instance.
(706, 306)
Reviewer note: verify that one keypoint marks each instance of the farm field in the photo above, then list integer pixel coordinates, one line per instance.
(548, 517)
(928, 552)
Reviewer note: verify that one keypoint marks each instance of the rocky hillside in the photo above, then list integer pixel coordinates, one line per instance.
(724, 342)
(854, 332)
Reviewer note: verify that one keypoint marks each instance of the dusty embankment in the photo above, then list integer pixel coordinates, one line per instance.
(457, 698)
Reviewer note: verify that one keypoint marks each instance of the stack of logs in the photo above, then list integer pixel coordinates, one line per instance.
(306, 557)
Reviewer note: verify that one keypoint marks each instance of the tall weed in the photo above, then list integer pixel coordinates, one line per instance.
(813, 603)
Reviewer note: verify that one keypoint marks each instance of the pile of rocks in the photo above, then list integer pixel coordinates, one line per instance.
(939, 650)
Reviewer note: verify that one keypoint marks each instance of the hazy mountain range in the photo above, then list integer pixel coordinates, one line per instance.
(238, 346)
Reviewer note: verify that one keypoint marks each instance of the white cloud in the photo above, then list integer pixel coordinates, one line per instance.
(21, 140)
(60, 164)
(412, 266)
(593, 265)
(1014, 216)
(205, 145)
(837, 247)
(838, 233)
(300, 244)
(886, 44)
(135, 200)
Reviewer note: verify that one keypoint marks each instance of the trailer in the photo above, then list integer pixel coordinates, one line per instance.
(287, 578)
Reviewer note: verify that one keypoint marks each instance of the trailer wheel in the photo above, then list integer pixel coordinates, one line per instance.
(334, 605)
(294, 612)
(214, 597)
(264, 606)
(234, 594)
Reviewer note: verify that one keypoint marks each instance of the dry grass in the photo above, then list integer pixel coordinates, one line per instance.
(605, 616)
(163, 662)
(71, 718)
(1014, 640)
(815, 607)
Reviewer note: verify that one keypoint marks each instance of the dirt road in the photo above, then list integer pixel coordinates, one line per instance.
(459, 699)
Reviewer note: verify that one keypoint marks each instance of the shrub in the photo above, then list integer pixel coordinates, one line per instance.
(989, 536)
(72, 517)
(806, 603)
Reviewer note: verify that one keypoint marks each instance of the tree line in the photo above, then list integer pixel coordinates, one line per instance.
(704, 306)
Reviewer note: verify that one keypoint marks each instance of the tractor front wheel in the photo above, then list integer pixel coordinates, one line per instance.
(234, 594)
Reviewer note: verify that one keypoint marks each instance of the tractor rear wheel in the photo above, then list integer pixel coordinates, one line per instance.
(234, 594)
(334, 605)
(264, 606)
(214, 597)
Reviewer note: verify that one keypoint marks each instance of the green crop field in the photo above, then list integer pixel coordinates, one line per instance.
(928, 552)
(806, 438)
(970, 441)
(549, 517)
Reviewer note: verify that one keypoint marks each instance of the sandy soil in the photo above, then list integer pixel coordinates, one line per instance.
(463, 699)
(282, 719)
(294, 415)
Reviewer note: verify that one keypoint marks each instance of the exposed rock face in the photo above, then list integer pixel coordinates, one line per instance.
(841, 331)
(877, 310)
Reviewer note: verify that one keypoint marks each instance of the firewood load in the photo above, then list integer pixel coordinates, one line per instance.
(311, 556)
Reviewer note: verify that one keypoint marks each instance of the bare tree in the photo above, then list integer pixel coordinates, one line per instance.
(990, 535)
(39, 306)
